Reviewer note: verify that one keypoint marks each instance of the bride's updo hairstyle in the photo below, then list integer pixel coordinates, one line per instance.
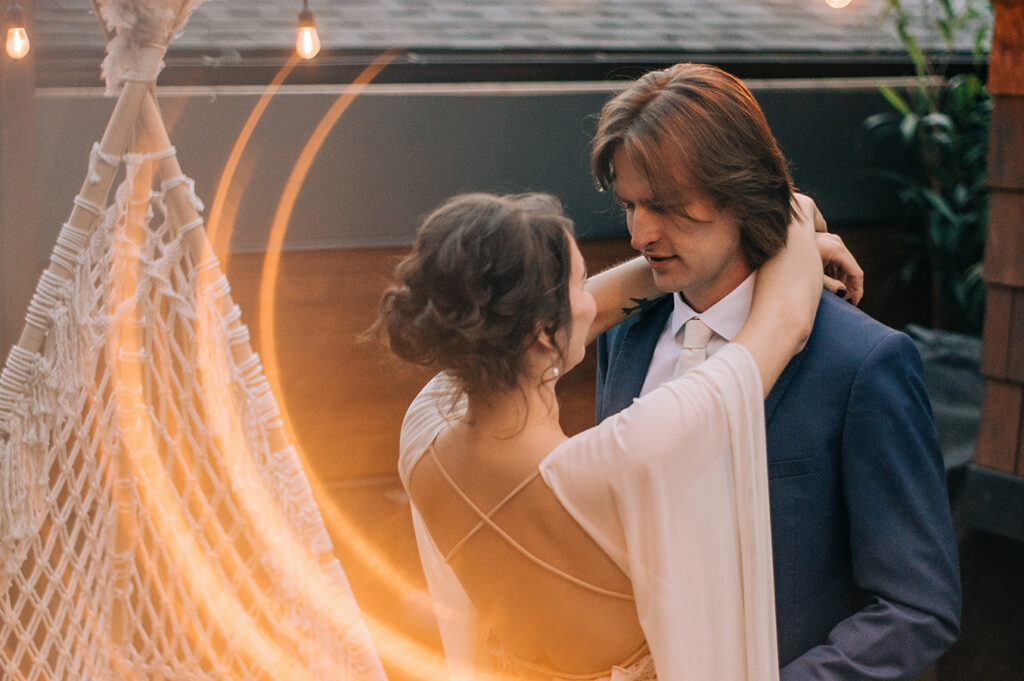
(486, 275)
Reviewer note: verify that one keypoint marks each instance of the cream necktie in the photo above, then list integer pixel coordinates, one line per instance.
(696, 335)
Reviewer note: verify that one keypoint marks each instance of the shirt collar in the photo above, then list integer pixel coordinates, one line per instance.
(726, 317)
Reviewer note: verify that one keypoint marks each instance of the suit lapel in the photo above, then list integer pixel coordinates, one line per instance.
(775, 396)
(633, 355)
(772, 401)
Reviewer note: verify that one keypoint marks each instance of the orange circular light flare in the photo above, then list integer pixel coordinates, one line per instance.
(279, 227)
(418, 660)
(219, 228)
(219, 232)
(267, 297)
(138, 459)
(402, 652)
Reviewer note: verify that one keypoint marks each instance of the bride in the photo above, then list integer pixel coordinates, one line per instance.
(605, 555)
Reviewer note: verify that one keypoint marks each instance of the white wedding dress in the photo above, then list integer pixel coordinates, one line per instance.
(675, 490)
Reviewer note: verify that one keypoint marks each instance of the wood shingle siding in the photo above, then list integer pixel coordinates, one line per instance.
(1001, 435)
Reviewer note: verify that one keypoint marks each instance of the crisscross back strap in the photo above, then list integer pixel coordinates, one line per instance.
(486, 519)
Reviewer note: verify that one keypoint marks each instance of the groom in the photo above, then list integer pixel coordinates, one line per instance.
(866, 575)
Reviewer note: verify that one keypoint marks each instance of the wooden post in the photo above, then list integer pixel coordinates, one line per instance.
(19, 261)
(1001, 435)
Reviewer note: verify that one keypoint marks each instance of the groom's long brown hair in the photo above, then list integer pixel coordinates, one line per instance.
(695, 130)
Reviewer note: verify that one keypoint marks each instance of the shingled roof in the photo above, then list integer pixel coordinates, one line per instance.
(221, 31)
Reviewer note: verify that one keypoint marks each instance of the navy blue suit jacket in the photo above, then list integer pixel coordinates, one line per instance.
(867, 583)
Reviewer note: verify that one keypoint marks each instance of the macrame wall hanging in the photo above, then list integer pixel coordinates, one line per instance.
(155, 523)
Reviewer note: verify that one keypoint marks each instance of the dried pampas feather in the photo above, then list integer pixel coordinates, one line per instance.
(138, 32)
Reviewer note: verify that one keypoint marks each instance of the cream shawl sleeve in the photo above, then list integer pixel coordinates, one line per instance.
(675, 489)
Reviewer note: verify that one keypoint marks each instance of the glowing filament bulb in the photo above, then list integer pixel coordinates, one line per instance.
(17, 43)
(837, 4)
(307, 44)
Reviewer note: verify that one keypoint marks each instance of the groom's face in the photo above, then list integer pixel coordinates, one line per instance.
(692, 248)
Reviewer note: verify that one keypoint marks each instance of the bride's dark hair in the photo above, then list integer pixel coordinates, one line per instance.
(486, 275)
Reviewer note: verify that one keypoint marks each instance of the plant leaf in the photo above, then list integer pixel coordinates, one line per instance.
(908, 126)
(879, 120)
(895, 100)
(939, 204)
(938, 119)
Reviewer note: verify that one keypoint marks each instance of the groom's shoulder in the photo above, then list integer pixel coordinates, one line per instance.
(845, 333)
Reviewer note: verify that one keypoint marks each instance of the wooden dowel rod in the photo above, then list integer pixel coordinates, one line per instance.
(113, 143)
(127, 334)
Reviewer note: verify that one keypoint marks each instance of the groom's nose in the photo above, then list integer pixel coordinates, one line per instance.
(643, 229)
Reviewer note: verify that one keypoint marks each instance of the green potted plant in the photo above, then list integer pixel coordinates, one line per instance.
(940, 129)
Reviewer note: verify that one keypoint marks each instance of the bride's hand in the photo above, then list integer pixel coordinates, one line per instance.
(786, 297)
(843, 276)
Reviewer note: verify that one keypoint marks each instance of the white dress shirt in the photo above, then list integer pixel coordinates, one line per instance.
(726, 318)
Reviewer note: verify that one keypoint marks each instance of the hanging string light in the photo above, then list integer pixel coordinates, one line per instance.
(837, 4)
(17, 43)
(307, 44)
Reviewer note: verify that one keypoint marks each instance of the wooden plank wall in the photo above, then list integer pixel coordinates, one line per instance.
(1001, 434)
(346, 398)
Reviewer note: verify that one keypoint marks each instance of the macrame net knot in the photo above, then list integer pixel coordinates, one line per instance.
(97, 156)
(21, 365)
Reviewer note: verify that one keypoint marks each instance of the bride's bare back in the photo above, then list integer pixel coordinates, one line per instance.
(556, 599)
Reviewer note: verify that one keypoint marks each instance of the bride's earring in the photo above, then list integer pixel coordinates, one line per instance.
(555, 371)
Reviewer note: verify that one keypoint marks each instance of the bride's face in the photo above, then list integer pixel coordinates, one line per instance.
(583, 308)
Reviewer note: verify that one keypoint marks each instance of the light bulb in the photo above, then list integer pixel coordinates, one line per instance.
(837, 4)
(307, 44)
(17, 42)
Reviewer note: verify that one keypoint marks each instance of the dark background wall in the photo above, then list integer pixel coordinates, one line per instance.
(399, 150)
